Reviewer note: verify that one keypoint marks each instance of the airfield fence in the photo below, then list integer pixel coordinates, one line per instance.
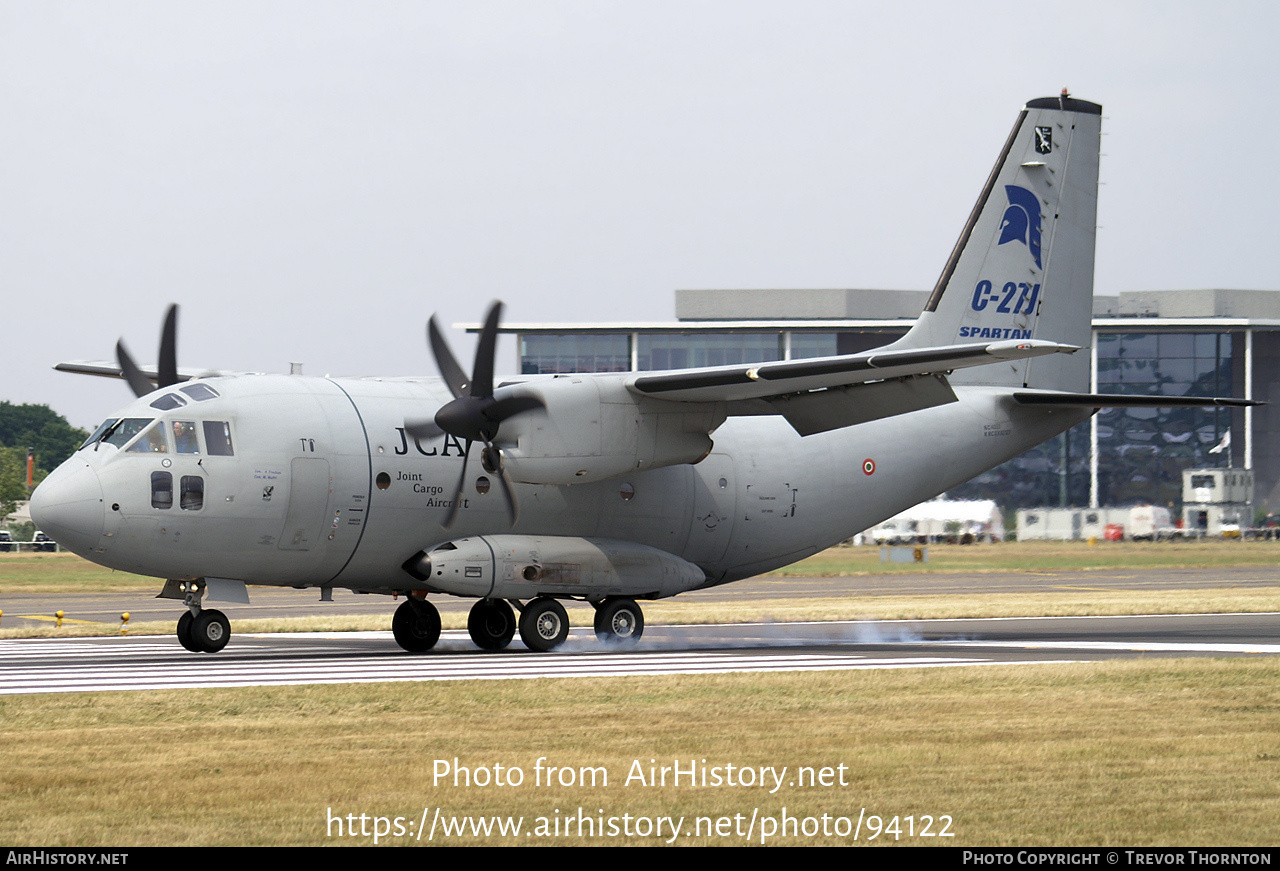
(30, 547)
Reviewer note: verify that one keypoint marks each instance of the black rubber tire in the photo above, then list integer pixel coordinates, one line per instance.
(210, 631)
(492, 624)
(184, 632)
(619, 621)
(416, 625)
(544, 625)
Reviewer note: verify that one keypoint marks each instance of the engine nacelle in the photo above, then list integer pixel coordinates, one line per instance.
(594, 428)
(525, 566)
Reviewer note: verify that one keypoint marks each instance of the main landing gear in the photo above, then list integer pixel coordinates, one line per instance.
(492, 624)
(200, 630)
(416, 625)
(619, 621)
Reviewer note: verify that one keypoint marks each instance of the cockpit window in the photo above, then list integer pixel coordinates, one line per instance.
(199, 392)
(217, 438)
(122, 431)
(168, 402)
(151, 442)
(184, 437)
(97, 433)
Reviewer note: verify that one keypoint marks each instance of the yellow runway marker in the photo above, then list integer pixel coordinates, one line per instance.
(56, 619)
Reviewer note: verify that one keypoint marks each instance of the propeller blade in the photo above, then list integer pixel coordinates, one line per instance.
(140, 383)
(452, 373)
(422, 427)
(167, 365)
(457, 494)
(513, 510)
(510, 406)
(486, 348)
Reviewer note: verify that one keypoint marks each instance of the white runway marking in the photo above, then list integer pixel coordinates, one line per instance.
(126, 664)
(1136, 646)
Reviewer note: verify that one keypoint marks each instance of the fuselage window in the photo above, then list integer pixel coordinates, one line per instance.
(192, 493)
(161, 490)
(151, 442)
(168, 402)
(184, 437)
(217, 438)
(123, 431)
(199, 392)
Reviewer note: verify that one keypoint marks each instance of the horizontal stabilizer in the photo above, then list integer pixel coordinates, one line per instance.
(1122, 400)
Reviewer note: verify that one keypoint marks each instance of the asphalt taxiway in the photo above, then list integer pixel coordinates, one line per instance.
(275, 602)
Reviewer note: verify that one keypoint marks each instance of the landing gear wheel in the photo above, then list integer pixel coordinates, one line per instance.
(210, 631)
(619, 621)
(416, 625)
(184, 632)
(544, 625)
(492, 624)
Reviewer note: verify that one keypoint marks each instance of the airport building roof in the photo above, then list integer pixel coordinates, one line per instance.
(816, 310)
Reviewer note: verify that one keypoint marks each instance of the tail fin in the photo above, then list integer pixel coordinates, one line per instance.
(1023, 267)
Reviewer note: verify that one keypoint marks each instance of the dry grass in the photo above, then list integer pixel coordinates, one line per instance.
(1041, 556)
(1134, 753)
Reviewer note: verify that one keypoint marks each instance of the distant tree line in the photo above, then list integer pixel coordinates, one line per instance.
(37, 427)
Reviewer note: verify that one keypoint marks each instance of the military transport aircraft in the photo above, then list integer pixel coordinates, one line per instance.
(606, 488)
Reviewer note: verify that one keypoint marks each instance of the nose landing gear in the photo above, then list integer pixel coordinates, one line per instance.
(201, 631)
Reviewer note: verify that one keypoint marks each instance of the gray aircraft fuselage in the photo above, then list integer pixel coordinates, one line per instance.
(325, 488)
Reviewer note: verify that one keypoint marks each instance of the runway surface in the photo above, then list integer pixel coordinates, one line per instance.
(143, 663)
(138, 663)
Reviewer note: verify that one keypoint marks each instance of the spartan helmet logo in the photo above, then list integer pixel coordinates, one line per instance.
(1021, 221)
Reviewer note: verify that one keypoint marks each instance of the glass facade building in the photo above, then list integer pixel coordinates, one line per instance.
(1119, 457)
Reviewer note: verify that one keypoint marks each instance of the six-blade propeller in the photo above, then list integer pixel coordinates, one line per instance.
(475, 413)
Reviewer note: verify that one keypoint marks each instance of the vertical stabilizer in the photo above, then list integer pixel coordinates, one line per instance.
(1023, 267)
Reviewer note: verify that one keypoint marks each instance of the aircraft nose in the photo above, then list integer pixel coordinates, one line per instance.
(67, 506)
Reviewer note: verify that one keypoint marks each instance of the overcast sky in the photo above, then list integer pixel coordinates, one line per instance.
(311, 180)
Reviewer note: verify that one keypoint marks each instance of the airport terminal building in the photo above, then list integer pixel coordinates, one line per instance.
(1178, 343)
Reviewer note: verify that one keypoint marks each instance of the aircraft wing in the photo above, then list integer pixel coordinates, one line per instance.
(107, 369)
(825, 393)
(764, 380)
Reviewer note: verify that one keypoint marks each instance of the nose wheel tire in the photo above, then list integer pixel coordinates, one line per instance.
(184, 632)
(492, 624)
(544, 625)
(210, 631)
(619, 621)
(416, 625)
